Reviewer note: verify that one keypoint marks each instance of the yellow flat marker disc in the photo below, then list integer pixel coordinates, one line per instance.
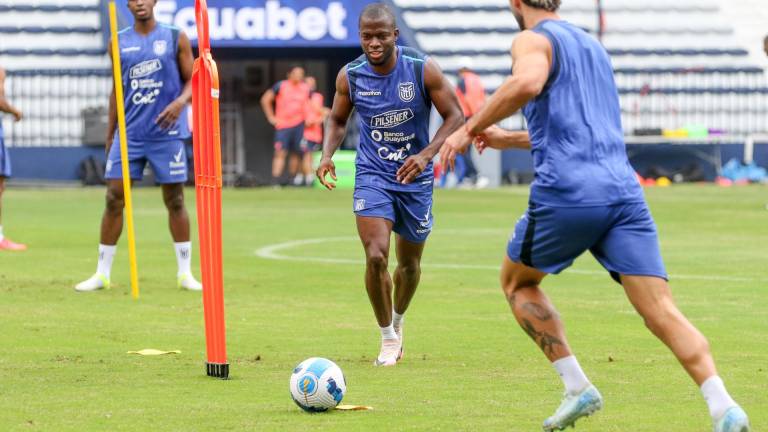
(353, 408)
(153, 352)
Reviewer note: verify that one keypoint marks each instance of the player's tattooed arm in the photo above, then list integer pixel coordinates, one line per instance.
(444, 98)
(5, 105)
(185, 60)
(337, 128)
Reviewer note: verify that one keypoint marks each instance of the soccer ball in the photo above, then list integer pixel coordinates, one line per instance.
(317, 385)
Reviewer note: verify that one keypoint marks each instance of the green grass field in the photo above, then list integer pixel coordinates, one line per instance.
(64, 367)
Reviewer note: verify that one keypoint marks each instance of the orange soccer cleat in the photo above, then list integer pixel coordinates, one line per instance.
(7, 244)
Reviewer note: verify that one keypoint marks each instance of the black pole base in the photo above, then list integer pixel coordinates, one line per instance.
(217, 370)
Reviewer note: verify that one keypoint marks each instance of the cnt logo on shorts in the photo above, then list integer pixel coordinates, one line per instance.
(359, 204)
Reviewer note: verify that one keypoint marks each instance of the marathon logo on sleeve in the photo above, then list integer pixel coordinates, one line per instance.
(145, 68)
(391, 119)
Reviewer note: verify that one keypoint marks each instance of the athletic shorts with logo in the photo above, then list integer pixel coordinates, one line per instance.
(621, 237)
(5, 158)
(167, 158)
(409, 211)
(290, 139)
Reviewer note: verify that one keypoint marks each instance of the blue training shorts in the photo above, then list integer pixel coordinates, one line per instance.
(167, 158)
(290, 139)
(409, 212)
(5, 159)
(621, 237)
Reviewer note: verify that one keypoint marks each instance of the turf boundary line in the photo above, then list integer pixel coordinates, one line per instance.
(272, 252)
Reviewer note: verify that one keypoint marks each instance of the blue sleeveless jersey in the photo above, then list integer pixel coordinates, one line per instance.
(393, 112)
(151, 81)
(577, 142)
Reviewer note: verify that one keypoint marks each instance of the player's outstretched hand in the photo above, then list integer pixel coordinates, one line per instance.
(411, 169)
(170, 115)
(455, 144)
(17, 115)
(327, 167)
(493, 137)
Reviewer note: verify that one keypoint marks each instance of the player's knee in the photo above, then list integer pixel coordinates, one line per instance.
(377, 260)
(175, 203)
(513, 286)
(115, 201)
(410, 269)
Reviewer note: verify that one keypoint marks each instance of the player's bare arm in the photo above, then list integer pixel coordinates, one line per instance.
(112, 113)
(337, 128)
(532, 59)
(447, 104)
(501, 139)
(5, 105)
(267, 104)
(171, 113)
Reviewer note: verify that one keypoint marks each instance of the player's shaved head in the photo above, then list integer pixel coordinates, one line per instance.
(765, 45)
(377, 12)
(550, 5)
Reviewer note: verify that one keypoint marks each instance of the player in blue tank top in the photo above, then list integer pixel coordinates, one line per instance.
(156, 62)
(392, 88)
(585, 196)
(5, 163)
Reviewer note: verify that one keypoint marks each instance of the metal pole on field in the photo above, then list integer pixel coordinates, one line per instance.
(122, 134)
(207, 147)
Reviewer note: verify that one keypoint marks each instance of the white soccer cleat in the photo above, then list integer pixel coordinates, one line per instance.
(399, 333)
(734, 420)
(574, 407)
(390, 352)
(94, 283)
(188, 282)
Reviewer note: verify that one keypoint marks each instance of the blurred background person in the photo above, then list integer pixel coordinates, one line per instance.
(471, 94)
(313, 133)
(285, 106)
(5, 162)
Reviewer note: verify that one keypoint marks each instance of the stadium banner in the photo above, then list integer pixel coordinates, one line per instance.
(265, 23)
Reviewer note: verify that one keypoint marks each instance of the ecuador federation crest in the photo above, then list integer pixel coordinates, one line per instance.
(407, 91)
(160, 47)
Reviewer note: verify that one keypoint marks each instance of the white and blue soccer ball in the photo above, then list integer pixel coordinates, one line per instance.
(317, 385)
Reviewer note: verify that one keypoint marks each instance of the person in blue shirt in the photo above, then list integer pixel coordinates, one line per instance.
(156, 61)
(392, 88)
(585, 196)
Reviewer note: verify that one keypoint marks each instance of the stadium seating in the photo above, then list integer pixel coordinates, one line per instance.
(676, 63)
(57, 66)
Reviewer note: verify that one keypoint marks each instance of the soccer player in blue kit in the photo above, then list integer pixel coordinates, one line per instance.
(156, 62)
(585, 196)
(392, 88)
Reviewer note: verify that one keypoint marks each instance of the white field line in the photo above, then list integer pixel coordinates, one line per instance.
(273, 252)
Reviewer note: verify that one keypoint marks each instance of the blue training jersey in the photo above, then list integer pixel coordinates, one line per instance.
(151, 81)
(578, 148)
(393, 111)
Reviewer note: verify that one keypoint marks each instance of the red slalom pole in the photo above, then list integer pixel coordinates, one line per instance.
(207, 150)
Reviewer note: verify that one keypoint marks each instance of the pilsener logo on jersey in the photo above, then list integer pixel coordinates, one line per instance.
(391, 119)
(145, 68)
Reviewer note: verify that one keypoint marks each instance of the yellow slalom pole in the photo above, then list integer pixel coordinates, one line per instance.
(118, 76)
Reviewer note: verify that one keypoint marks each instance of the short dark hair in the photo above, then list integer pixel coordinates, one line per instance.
(550, 5)
(377, 11)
